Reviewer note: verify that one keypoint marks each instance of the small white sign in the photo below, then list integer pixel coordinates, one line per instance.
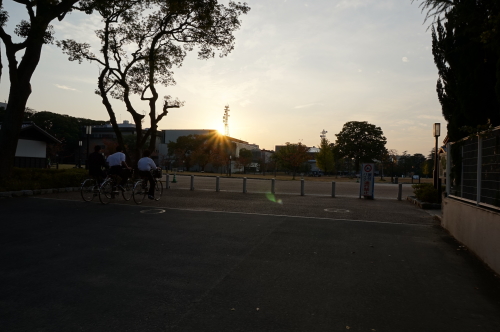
(367, 180)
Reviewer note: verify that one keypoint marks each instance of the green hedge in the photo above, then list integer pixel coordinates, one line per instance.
(40, 178)
(425, 192)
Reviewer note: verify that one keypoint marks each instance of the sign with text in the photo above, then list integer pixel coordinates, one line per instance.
(367, 180)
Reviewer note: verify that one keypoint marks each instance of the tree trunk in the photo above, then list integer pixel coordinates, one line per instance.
(20, 90)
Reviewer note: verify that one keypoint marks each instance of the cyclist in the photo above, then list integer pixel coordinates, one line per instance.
(145, 165)
(116, 163)
(96, 163)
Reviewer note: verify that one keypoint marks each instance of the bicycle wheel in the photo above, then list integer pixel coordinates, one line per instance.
(106, 192)
(89, 190)
(129, 187)
(139, 192)
(158, 190)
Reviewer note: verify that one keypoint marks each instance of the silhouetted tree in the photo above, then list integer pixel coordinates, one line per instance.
(360, 141)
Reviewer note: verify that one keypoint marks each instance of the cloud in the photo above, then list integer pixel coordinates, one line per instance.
(308, 105)
(64, 87)
(405, 59)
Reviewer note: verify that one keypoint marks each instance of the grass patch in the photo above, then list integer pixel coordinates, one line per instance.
(40, 178)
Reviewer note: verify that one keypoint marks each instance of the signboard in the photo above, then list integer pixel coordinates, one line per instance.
(367, 180)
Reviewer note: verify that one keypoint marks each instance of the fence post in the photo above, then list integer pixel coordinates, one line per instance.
(400, 191)
(333, 188)
(217, 185)
(448, 169)
(167, 181)
(462, 177)
(479, 164)
(192, 182)
(273, 186)
(301, 187)
(244, 185)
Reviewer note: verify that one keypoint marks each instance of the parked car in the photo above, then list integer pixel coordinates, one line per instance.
(316, 173)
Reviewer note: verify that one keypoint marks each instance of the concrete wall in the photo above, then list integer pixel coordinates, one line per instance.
(477, 228)
(29, 148)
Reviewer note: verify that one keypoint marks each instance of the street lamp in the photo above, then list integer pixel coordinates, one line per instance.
(79, 154)
(88, 131)
(437, 132)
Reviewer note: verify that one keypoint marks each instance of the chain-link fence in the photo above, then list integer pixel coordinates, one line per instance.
(472, 168)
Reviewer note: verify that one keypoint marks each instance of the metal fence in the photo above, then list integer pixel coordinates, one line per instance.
(475, 173)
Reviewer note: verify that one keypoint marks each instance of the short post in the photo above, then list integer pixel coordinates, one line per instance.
(217, 184)
(245, 185)
(333, 188)
(192, 182)
(448, 169)
(273, 186)
(400, 191)
(479, 168)
(396, 180)
(301, 187)
(167, 181)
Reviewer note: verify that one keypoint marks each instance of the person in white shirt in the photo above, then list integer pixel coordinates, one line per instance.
(116, 163)
(145, 165)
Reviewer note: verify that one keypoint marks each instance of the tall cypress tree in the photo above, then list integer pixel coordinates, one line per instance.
(466, 53)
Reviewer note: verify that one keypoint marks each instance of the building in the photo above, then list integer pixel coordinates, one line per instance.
(105, 136)
(32, 145)
(171, 135)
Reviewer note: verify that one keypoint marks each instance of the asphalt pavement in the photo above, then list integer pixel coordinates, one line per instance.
(227, 261)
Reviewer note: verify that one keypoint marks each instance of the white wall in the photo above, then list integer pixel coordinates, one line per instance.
(476, 228)
(29, 148)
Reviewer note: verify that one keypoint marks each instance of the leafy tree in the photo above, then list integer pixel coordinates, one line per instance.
(181, 149)
(143, 40)
(292, 156)
(244, 159)
(324, 158)
(23, 59)
(360, 141)
(201, 155)
(218, 157)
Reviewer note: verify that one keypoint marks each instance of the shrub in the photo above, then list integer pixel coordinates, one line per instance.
(425, 192)
(40, 178)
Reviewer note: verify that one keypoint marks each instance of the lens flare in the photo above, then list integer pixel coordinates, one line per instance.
(272, 198)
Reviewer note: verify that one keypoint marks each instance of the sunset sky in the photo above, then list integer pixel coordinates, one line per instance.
(298, 67)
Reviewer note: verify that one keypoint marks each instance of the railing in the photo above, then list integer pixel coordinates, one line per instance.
(475, 174)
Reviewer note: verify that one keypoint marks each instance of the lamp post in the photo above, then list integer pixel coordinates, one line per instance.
(88, 131)
(437, 133)
(79, 154)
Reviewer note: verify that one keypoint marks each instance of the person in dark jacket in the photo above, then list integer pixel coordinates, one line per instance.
(97, 163)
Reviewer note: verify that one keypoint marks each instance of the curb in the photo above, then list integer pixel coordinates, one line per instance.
(423, 205)
(36, 192)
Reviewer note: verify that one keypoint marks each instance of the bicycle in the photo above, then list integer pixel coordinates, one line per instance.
(141, 187)
(89, 189)
(107, 189)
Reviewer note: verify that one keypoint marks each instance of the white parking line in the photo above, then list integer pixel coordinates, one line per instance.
(248, 213)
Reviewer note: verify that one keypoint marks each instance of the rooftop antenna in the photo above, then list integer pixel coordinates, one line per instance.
(225, 119)
(323, 134)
